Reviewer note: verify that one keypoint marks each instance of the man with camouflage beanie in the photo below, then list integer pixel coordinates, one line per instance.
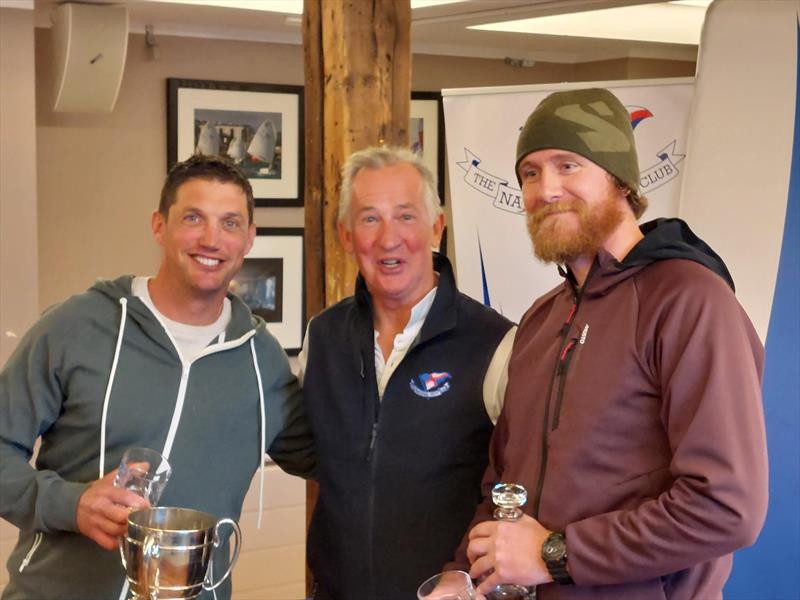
(633, 409)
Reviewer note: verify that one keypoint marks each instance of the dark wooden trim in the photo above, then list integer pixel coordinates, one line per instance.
(440, 140)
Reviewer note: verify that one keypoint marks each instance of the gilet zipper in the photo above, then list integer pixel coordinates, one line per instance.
(371, 460)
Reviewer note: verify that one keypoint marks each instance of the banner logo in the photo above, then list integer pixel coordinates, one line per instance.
(503, 195)
(508, 198)
(431, 385)
(638, 114)
(663, 171)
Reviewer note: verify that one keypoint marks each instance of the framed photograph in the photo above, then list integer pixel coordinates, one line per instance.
(258, 126)
(272, 284)
(426, 132)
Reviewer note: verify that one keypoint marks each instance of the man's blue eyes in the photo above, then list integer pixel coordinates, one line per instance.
(533, 173)
(228, 224)
(373, 219)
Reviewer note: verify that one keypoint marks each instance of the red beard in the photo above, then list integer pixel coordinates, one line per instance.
(561, 243)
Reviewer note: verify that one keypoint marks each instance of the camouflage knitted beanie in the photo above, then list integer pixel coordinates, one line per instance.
(589, 122)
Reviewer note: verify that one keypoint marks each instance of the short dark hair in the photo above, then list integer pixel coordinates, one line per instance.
(210, 168)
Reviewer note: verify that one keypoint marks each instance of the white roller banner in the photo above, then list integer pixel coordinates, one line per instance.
(493, 255)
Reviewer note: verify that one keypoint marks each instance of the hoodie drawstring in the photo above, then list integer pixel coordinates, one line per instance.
(37, 539)
(263, 433)
(124, 303)
(176, 413)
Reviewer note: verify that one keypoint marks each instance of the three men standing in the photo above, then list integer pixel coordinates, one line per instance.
(632, 413)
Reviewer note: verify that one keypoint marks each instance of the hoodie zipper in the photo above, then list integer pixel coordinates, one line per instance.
(559, 376)
(221, 346)
(37, 540)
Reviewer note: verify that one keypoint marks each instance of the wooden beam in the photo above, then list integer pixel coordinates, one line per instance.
(313, 160)
(366, 93)
(313, 205)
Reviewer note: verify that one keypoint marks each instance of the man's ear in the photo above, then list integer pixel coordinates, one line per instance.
(158, 224)
(251, 236)
(345, 237)
(438, 228)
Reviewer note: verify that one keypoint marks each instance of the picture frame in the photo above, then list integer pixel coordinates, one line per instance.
(258, 126)
(426, 133)
(272, 283)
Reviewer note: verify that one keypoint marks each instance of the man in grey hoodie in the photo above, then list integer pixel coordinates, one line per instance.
(175, 363)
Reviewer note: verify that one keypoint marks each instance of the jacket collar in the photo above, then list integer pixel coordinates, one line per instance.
(443, 314)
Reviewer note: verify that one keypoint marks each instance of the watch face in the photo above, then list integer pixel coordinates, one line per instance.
(554, 548)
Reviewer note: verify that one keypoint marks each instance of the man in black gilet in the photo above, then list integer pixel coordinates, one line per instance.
(403, 382)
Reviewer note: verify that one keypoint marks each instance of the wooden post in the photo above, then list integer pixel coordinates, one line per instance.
(357, 93)
(313, 171)
(364, 89)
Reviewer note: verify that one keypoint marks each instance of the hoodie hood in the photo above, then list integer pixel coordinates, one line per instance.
(242, 320)
(666, 239)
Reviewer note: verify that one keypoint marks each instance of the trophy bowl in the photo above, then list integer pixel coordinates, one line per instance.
(168, 552)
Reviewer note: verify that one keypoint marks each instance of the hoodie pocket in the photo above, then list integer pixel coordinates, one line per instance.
(37, 540)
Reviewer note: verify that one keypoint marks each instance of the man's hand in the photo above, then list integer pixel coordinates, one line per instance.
(103, 510)
(446, 586)
(508, 552)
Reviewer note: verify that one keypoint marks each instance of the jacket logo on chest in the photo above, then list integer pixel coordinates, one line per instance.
(430, 385)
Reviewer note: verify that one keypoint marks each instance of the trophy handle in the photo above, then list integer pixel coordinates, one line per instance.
(122, 553)
(207, 585)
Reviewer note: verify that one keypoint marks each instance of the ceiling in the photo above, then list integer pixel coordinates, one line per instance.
(435, 30)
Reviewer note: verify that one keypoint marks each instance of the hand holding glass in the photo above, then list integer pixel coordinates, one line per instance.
(449, 585)
(144, 472)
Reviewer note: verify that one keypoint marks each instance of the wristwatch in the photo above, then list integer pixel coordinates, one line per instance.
(554, 555)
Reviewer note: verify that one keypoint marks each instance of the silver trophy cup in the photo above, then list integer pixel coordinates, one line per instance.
(168, 552)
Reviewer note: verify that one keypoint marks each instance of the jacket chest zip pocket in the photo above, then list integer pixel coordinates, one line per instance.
(566, 360)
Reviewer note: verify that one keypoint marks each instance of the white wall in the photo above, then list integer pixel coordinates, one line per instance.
(18, 255)
(740, 146)
(272, 562)
(18, 242)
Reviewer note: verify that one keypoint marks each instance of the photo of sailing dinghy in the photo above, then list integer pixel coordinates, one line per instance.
(252, 140)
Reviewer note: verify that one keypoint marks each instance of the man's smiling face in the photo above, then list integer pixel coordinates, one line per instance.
(205, 236)
(390, 232)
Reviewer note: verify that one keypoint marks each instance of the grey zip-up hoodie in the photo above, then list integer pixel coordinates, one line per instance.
(99, 374)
